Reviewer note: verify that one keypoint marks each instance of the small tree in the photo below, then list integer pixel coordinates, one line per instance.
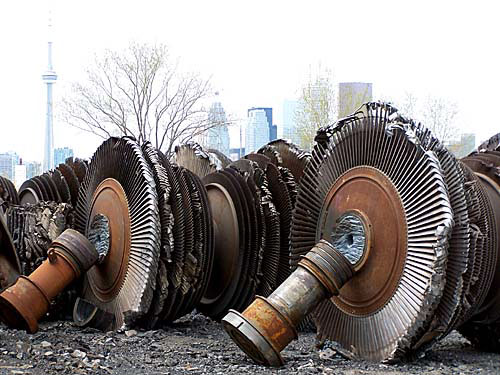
(439, 116)
(436, 113)
(317, 106)
(139, 92)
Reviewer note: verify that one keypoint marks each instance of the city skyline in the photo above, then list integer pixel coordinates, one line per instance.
(440, 66)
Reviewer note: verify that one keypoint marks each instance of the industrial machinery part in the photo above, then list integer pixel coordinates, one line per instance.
(59, 185)
(120, 185)
(25, 302)
(221, 160)
(86, 314)
(8, 193)
(269, 324)
(287, 155)
(194, 158)
(10, 268)
(482, 323)
(433, 264)
(161, 236)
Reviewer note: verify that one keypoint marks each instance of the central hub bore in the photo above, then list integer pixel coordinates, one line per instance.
(351, 236)
(110, 201)
(363, 210)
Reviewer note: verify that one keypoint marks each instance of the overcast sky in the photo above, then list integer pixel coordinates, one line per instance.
(257, 52)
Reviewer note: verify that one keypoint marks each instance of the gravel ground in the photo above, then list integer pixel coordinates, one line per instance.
(196, 345)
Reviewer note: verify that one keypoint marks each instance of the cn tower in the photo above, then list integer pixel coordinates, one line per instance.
(49, 78)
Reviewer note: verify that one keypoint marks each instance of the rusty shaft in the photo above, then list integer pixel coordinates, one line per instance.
(25, 302)
(268, 325)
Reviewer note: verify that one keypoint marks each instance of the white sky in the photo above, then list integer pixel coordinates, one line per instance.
(257, 53)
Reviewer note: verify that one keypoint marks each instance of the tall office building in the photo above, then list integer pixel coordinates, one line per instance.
(290, 108)
(33, 168)
(272, 129)
(8, 162)
(217, 137)
(257, 130)
(61, 154)
(352, 95)
(49, 78)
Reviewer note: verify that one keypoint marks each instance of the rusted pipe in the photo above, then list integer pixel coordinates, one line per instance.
(267, 326)
(25, 302)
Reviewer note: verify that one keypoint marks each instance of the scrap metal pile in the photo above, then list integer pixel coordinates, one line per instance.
(204, 232)
(429, 245)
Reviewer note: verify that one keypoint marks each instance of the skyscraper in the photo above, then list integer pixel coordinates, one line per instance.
(49, 78)
(289, 123)
(272, 129)
(61, 154)
(8, 161)
(217, 137)
(257, 130)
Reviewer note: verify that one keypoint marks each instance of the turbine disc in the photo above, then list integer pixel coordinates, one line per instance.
(197, 259)
(42, 187)
(267, 262)
(120, 185)
(61, 185)
(191, 156)
(29, 192)
(163, 190)
(491, 144)
(292, 157)
(230, 238)
(383, 311)
(222, 160)
(283, 204)
(175, 264)
(10, 268)
(72, 181)
(482, 321)
(449, 308)
(9, 191)
(188, 262)
(247, 282)
(208, 240)
(79, 167)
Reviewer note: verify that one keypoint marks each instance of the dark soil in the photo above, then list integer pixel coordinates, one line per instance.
(196, 345)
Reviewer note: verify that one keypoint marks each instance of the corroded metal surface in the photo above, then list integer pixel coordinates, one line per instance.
(25, 302)
(119, 184)
(369, 163)
(268, 325)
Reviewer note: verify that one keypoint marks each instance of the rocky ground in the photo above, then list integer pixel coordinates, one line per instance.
(196, 345)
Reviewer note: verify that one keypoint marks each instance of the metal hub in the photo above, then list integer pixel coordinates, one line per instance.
(375, 283)
(106, 278)
(226, 241)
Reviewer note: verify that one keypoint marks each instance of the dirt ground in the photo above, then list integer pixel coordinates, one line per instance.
(196, 345)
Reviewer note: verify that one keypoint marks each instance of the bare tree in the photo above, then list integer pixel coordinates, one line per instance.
(139, 92)
(317, 106)
(436, 113)
(439, 116)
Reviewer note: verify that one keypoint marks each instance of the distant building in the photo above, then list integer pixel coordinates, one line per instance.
(352, 95)
(236, 153)
(8, 161)
(258, 128)
(33, 168)
(217, 137)
(61, 154)
(19, 174)
(272, 129)
(464, 146)
(290, 108)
